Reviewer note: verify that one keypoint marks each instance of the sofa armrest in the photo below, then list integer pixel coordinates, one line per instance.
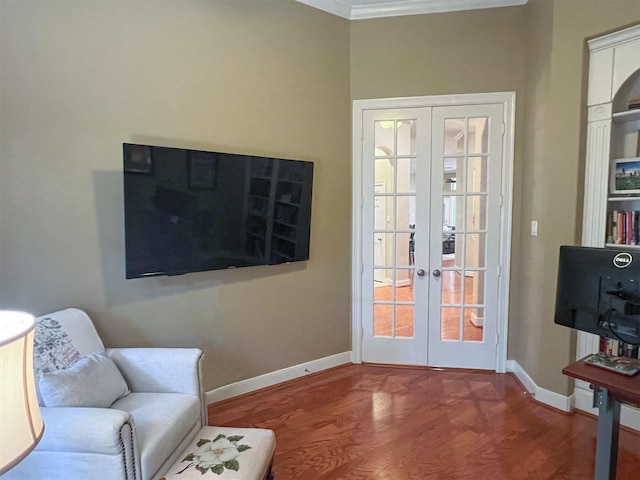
(160, 370)
(86, 430)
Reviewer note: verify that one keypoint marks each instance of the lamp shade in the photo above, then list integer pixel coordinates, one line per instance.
(21, 425)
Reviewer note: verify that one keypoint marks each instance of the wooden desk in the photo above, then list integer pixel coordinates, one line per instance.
(610, 390)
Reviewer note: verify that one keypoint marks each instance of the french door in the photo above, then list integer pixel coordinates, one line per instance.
(396, 145)
(430, 234)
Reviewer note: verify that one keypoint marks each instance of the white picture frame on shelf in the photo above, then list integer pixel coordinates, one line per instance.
(625, 176)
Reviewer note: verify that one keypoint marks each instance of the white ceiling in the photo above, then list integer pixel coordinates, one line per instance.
(362, 9)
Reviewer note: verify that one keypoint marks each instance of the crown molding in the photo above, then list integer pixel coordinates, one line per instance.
(614, 39)
(360, 10)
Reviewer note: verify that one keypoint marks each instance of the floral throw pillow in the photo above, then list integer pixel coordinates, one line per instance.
(53, 349)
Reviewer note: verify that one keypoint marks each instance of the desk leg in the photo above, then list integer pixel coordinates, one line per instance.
(608, 429)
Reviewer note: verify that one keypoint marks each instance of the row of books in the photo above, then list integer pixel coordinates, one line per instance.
(612, 346)
(634, 103)
(623, 227)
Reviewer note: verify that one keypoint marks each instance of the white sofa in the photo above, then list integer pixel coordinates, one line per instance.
(138, 435)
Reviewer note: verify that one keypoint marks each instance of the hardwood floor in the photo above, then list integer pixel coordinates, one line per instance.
(361, 422)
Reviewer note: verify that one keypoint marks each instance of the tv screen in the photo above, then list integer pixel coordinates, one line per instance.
(598, 291)
(192, 210)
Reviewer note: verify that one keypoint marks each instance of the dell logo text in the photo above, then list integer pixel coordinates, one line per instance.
(622, 260)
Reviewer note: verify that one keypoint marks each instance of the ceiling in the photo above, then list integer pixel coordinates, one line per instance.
(363, 9)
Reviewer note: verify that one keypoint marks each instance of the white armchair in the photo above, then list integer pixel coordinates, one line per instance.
(139, 435)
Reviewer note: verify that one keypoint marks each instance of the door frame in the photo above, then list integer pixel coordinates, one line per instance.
(507, 100)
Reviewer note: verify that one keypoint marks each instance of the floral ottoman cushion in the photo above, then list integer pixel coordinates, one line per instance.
(226, 453)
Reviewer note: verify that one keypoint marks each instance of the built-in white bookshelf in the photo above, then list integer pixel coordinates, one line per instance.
(612, 141)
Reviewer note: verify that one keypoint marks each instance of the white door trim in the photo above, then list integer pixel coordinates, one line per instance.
(507, 100)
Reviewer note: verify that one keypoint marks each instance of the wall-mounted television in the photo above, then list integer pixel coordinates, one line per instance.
(192, 210)
(598, 291)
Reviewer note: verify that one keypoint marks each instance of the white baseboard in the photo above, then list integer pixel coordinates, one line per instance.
(548, 397)
(582, 398)
(476, 320)
(273, 378)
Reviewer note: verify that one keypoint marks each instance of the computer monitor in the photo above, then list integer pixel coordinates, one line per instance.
(598, 291)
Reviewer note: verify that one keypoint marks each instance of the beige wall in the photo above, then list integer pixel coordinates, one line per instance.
(79, 78)
(463, 52)
(538, 51)
(553, 169)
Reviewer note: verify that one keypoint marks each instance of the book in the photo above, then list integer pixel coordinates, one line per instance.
(622, 228)
(623, 365)
(628, 350)
(612, 347)
(614, 227)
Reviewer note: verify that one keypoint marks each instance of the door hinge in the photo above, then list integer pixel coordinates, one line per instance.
(501, 201)
(504, 129)
(497, 339)
(361, 333)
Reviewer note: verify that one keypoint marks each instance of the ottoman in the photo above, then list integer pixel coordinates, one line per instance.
(226, 453)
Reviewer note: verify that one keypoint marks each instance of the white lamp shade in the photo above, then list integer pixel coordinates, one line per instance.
(21, 426)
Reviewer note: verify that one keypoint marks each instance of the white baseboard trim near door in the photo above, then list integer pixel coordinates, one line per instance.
(476, 320)
(581, 398)
(273, 378)
(553, 399)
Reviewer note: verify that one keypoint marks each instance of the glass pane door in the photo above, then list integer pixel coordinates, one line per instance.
(431, 185)
(394, 314)
(395, 204)
(464, 229)
(467, 160)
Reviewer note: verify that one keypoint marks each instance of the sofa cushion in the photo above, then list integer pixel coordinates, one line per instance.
(93, 381)
(162, 421)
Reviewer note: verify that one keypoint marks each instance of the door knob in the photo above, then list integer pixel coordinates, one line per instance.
(436, 273)
(420, 273)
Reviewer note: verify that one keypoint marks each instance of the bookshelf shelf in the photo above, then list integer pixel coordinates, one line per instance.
(626, 116)
(622, 245)
(624, 199)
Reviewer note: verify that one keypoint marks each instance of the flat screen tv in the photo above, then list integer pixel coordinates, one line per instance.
(598, 291)
(192, 210)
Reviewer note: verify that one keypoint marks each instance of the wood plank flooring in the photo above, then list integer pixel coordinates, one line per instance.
(361, 422)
